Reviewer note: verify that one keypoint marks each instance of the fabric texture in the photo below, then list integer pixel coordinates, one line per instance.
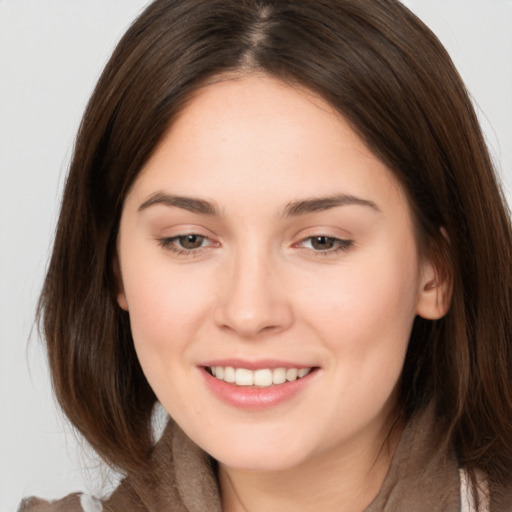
(423, 477)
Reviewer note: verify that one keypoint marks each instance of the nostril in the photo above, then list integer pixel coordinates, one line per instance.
(251, 304)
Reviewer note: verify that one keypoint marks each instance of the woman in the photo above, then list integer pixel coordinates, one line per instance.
(281, 222)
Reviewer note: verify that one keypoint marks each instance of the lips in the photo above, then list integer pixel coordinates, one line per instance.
(256, 386)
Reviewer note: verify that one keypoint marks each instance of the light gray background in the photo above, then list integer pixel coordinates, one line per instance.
(51, 53)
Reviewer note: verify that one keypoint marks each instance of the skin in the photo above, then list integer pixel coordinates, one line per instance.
(259, 286)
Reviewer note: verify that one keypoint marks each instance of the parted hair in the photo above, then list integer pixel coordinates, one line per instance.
(388, 75)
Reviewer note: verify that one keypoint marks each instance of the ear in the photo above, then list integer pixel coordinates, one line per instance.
(120, 294)
(435, 291)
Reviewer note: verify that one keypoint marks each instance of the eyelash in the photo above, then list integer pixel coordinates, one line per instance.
(339, 245)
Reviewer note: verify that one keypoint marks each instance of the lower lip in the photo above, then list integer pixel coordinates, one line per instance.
(251, 398)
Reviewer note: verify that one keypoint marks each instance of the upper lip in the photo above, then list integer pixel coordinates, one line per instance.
(255, 365)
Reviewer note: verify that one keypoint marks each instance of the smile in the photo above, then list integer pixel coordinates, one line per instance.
(266, 385)
(261, 378)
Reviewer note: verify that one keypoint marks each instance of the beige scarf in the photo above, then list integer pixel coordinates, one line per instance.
(423, 477)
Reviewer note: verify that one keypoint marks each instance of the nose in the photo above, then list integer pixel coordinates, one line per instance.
(254, 301)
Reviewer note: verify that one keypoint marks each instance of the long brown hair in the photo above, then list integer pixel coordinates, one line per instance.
(381, 68)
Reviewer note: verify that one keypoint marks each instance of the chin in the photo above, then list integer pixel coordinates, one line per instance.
(257, 462)
(258, 455)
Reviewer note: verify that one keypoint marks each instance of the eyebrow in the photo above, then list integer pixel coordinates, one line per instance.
(191, 204)
(318, 204)
(293, 209)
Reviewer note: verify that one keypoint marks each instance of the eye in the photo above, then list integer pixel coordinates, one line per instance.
(323, 243)
(186, 244)
(190, 241)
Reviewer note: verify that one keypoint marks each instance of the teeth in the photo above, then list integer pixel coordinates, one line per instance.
(261, 378)
(291, 374)
(279, 376)
(229, 374)
(303, 372)
(244, 377)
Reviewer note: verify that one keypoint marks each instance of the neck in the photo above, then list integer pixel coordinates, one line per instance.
(341, 480)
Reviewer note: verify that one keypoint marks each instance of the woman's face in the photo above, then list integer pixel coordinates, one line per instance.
(263, 242)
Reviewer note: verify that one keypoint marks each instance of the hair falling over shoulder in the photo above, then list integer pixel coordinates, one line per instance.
(389, 76)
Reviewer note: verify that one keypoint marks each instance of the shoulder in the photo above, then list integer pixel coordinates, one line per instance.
(73, 503)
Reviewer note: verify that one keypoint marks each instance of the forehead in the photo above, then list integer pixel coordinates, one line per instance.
(257, 134)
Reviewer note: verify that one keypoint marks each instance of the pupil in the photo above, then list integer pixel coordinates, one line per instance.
(323, 243)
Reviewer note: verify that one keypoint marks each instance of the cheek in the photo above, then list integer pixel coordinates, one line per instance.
(166, 312)
(363, 318)
(372, 294)
(364, 314)
(166, 308)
